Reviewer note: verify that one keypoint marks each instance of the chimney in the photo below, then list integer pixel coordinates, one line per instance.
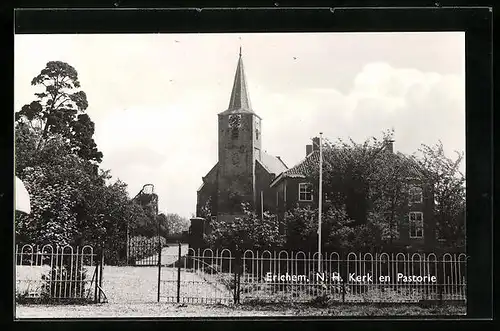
(316, 144)
(389, 146)
(309, 149)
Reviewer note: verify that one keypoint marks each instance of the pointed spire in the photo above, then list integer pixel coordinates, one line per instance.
(239, 96)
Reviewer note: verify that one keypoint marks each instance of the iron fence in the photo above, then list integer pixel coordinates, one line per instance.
(54, 272)
(302, 277)
(199, 276)
(143, 251)
(206, 276)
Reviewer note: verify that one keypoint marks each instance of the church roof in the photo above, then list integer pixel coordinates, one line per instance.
(273, 164)
(208, 174)
(240, 101)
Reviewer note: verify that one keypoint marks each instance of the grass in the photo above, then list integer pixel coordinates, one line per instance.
(270, 310)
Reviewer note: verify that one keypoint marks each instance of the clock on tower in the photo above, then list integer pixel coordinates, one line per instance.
(234, 121)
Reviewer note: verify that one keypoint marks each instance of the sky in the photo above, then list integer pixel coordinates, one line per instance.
(154, 98)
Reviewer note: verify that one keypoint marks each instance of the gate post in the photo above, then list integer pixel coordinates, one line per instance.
(237, 275)
(101, 266)
(179, 275)
(343, 274)
(159, 268)
(96, 273)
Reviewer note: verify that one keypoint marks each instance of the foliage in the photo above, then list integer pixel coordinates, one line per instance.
(72, 201)
(302, 228)
(176, 224)
(147, 220)
(70, 204)
(53, 182)
(358, 177)
(60, 110)
(247, 232)
(22, 297)
(449, 192)
(371, 183)
(374, 236)
(207, 209)
(61, 282)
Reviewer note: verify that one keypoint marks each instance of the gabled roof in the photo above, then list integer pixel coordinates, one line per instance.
(273, 164)
(240, 101)
(412, 166)
(298, 171)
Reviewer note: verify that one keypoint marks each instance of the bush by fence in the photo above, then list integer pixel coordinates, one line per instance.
(54, 273)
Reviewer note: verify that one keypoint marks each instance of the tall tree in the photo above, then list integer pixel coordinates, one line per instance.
(353, 172)
(57, 159)
(372, 184)
(449, 192)
(60, 109)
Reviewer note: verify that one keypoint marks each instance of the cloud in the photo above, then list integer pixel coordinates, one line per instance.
(422, 107)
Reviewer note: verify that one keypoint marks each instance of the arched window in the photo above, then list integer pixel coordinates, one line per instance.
(234, 133)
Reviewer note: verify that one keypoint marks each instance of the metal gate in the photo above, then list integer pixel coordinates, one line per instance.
(199, 276)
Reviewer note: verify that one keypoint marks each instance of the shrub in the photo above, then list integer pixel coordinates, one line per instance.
(22, 297)
(247, 232)
(66, 281)
(322, 300)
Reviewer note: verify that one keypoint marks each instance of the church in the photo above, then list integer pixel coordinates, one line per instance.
(244, 171)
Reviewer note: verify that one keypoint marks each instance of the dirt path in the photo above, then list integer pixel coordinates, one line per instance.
(140, 285)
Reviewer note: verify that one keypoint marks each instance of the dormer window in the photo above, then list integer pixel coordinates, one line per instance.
(415, 195)
(305, 192)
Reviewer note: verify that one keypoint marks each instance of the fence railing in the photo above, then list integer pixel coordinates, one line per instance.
(143, 251)
(300, 276)
(54, 272)
(199, 276)
(210, 276)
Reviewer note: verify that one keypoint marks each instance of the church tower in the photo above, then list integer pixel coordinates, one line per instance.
(239, 148)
